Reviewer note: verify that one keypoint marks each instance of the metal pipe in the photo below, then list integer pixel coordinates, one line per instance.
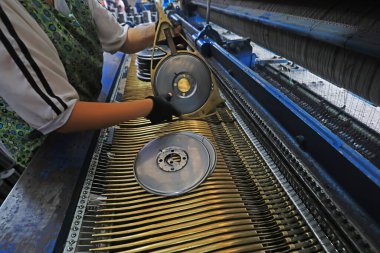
(186, 25)
(208, 12)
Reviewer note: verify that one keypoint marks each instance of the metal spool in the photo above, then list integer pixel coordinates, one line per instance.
(144, 59)
(175, 163)
(147, 18)
(132, 10)
(131, 19)
(154, 17)
(147, 53)
(138, 19)
(187, 77)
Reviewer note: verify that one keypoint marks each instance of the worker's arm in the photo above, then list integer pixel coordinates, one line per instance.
(141, 37)
(93, 115)
(47, 101)
(138, 38)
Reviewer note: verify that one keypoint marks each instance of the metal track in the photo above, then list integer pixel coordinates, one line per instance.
(233, 210)
(339, 230)
(360, 137)
(321, 236)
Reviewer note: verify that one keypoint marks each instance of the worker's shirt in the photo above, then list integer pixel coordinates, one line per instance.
(42, 71)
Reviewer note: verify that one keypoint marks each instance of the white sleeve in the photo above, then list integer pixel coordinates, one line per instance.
(33, 80)
(111, 34)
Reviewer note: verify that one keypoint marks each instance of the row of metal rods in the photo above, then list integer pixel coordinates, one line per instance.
(276, 226)
(240, 207)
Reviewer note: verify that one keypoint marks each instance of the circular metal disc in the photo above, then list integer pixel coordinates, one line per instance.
(143, 75)
(143, 71)
(143, 78)
(145, 66)
(146, 61)
(185, 68)
(208, 145)
(174, 164)
(147, 52)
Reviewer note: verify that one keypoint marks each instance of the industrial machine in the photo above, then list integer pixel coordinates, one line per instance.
(294, 143)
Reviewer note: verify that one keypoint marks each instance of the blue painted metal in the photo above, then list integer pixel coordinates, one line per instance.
(203, 45)
(355, 158)
(352, 180)
(196, 19)
(110, 74)
(349, 37)
(32, 216)
(244, 53)
(165, 3)
(339, 160)
(327, 182)
(141, 6)
(210, 33)
(37, 214)
(241, 49)
(335, 161)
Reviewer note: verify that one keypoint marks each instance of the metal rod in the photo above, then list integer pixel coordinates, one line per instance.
(208, 12)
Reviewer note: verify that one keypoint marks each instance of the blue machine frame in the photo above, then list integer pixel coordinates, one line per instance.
(337, 164)
(346, 36)
(28, 222)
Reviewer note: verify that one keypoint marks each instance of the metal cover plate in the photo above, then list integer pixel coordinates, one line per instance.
(175, 163)
(173, 70)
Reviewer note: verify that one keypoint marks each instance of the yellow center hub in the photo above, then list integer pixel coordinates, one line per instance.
(184, 85)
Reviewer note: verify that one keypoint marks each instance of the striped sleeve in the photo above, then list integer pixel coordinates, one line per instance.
(33, 80)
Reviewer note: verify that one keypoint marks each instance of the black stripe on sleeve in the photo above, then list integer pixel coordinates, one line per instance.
(29, 57)
(26, 73)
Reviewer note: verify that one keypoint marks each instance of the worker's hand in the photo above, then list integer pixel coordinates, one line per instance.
(162, 109)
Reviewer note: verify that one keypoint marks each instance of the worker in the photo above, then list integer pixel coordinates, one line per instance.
(51, 65)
